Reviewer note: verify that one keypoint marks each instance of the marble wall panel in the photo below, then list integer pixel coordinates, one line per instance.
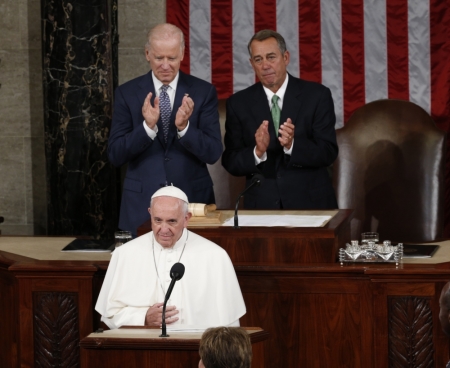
(77, 52)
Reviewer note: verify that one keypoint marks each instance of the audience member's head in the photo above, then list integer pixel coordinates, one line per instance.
(225, 347)
(444, 308)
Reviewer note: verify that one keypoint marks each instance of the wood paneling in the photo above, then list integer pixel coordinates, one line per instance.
(317, 314)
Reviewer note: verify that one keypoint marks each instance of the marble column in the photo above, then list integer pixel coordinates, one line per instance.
(78, 79)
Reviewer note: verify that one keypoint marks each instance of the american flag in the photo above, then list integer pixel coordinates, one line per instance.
(363, 50)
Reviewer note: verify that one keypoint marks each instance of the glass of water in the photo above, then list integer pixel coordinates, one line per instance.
(121, 237)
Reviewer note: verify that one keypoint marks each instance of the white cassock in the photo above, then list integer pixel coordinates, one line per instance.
(208, 295)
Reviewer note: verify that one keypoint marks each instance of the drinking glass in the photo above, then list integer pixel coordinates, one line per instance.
(121, 237)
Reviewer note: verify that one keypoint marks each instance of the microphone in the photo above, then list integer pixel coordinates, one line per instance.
(176, 273)
(257, 179)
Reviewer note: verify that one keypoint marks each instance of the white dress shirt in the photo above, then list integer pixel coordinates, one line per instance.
(280, 93)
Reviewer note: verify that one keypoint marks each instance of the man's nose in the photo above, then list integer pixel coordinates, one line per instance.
(165, 64)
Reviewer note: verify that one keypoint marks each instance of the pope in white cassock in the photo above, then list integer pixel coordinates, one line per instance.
(138, 275)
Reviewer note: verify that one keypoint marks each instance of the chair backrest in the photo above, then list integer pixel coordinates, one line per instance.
(390, 169)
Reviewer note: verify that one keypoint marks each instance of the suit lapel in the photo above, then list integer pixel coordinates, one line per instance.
(145, 87)
(292, 103)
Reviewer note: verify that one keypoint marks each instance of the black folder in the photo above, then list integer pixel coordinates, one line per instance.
(89, 245)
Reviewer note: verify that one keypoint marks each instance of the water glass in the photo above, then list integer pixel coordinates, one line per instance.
(121, 237)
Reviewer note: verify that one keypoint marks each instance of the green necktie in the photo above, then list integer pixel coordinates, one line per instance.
(275, 113)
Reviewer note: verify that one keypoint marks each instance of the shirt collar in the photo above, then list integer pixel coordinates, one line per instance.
(280, 93)
(157, 83)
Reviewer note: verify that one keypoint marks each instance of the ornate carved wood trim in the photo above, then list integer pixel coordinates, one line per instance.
(410, 332)
(56, 330)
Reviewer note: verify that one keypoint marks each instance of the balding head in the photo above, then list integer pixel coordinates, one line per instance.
(164, 51)
(164, 32)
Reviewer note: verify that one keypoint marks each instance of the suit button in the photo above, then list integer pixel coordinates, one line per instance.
(167, 159)
(278, 176)
(277, 202)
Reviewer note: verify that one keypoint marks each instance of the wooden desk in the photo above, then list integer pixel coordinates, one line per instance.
(317, 315)
(139, 348)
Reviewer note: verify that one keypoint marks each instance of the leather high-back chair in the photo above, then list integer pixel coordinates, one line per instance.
(390, 170)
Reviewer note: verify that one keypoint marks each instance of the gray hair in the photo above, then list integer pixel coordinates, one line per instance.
(264, 35)
(164, 31)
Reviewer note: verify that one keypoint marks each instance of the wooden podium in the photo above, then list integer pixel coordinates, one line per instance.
(143, 348)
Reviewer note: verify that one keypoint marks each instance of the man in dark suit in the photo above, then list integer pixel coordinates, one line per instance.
(166, 128)
(283, 128)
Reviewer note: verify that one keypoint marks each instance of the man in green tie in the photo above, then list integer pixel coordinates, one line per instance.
(283, 128)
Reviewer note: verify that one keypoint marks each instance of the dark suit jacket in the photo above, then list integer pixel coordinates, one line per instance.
(152, 163)
(299, 181)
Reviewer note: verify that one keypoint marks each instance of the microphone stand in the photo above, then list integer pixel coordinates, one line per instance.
(176, 273)
(164, 328)
(169, 291)
(255, 182)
